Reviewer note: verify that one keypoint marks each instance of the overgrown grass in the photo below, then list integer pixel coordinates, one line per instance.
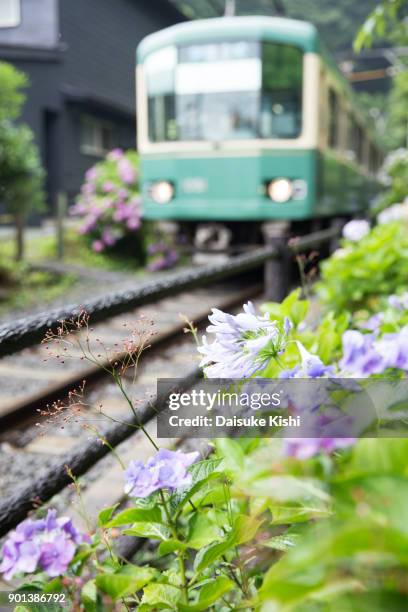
(22, 287)
(76, 252)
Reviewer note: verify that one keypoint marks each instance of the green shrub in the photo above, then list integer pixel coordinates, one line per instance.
(377, 265)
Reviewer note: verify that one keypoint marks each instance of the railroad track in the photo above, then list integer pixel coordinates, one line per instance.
(36, 457)
(31, 379)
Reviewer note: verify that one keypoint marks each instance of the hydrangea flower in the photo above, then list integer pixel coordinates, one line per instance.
(47, 544)
(163, 256)
(374, 322)
(360, 356)
(304, 448)
(126, 170)
(243, 344)
(399, 302)
(166, 470)
(397, 212)
(311, 366)
(109, 203)
(393, 349)
(356, 230)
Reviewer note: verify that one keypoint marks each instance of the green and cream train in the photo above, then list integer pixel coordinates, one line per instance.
(247, 119)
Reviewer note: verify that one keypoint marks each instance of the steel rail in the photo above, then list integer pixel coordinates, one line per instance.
(27, 331)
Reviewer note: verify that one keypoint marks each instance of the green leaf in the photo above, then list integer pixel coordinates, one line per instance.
(281, 542)
(202, 469)
(161, 596)
(154, 531)
(380, 456)
(89, 594)
(288, 488)
(136, 515)
(202, 473)
(245, 528)
(180, 499)
(283, 515)
(105, 515)
(206, 556)
(232, 453)
(170, 546)
(202, 531)
(126, 582)
(209, 594)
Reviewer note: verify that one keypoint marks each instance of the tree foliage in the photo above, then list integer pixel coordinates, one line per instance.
(327, 15)
(21, 174)
(12, 82)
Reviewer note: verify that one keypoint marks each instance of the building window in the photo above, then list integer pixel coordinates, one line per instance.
(96, 136)
(10, 13)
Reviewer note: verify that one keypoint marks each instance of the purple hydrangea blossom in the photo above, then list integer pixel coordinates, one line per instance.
(304, 448)
(166, 470)
(108, 186)
(244, 343)
(108, 237)
(393, 349)
(45, 544)
(311, 366)
(360, 357)
(399, 302)
(115, 155)
(126, 171)
(356, 230)
(108, 205)
(98, 246)
(167, 257)
(373, 323)
(91, 174)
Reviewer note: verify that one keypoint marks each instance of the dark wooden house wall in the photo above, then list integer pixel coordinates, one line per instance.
(90, 70)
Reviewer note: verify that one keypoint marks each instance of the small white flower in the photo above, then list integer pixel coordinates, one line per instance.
(397, 212)
(356, 230)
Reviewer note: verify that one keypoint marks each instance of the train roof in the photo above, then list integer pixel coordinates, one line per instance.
(279, 29)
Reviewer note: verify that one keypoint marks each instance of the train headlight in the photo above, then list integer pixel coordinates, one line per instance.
(280, 190)
(161, 192)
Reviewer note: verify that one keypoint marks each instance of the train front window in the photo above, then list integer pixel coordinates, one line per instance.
(224, 91)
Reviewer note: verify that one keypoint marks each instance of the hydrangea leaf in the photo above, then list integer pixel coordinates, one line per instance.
(136, 515)
(126, 582)
(202, 531)
(158, 596)
(209, 595)
(208, 555)
(232, 453)
(105, 515)
(170, 546)
(154, 531)
(245, 528)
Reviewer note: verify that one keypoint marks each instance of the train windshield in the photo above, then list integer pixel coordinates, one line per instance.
(224, 91)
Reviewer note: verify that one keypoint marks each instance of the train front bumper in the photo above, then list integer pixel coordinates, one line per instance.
(230, 188)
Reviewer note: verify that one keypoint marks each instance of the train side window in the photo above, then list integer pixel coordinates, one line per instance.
(355, 141)
(359, 144)
(281, 103)
(372, 159)
(334, 110)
